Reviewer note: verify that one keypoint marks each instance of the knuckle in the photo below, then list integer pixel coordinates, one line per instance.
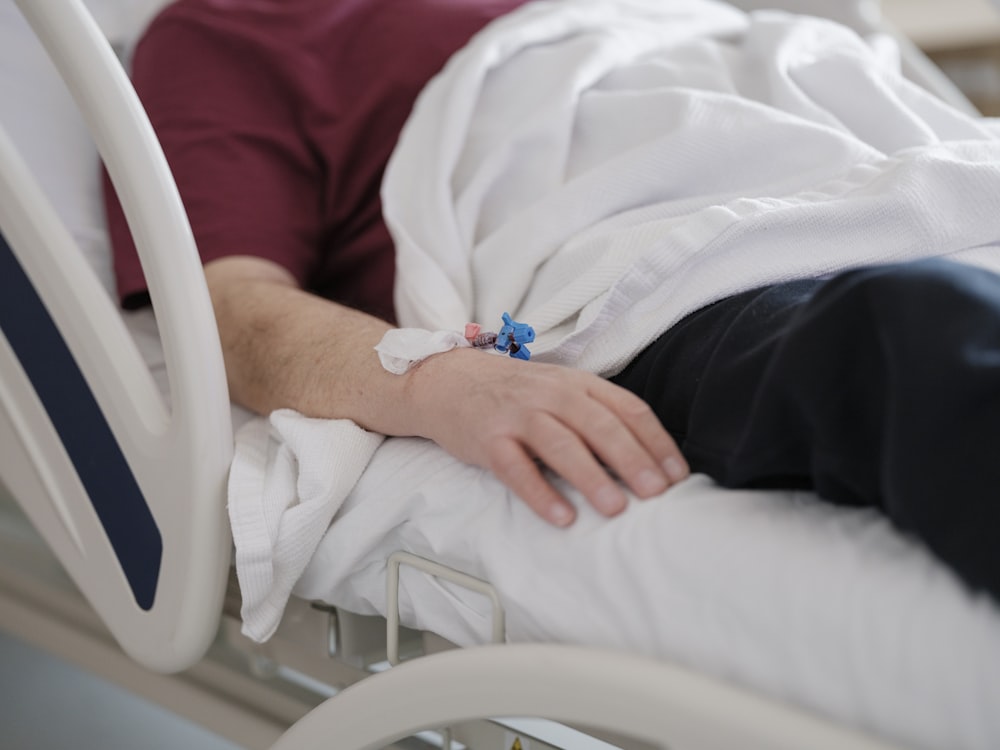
(558, 454)
(512, 466)
(559, 399)
(562, 450)
(635, 409)
(506, 464)
(606, 427)
(535, 423)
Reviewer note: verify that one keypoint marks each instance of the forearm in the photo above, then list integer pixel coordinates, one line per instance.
(286, 348)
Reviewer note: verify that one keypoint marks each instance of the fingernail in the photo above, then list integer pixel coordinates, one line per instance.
(609, 500)
(649, 482)
(675, 468)
(560, 515)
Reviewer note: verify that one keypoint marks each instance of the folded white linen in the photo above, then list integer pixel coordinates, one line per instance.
(289, 476)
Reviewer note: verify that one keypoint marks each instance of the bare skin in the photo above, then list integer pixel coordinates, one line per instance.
(284, 347)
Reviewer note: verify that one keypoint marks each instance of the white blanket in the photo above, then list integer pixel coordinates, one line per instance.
(599, 168)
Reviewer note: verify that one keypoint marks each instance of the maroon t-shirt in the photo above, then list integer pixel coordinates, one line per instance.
(277, 118)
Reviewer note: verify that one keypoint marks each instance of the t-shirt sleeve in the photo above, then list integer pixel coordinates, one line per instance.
(225, 112)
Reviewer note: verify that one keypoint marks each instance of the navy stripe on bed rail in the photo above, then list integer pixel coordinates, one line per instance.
(81, 426)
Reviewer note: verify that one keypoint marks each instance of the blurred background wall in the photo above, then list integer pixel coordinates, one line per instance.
(962, 37)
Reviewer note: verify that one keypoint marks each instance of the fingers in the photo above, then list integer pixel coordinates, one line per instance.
(645, 427)
(569, 449)
(513, 467)
(563, 449)
(609, 437)
(500, 414)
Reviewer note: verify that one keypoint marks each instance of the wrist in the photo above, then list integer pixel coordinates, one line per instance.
(433, 389)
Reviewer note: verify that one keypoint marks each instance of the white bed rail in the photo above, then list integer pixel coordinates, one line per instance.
(642, 699)
(151, 556)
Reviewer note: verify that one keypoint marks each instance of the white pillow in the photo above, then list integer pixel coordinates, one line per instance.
(40, 117)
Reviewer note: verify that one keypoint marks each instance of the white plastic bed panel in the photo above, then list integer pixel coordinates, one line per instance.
(166, 616)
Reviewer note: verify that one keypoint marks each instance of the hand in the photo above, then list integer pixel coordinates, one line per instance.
(503, 414)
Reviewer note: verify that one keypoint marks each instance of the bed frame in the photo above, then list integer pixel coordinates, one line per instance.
(128, 494)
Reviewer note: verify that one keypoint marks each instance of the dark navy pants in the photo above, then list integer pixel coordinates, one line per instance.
(878, 387)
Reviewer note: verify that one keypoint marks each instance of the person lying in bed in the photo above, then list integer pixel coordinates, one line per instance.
(278, 117)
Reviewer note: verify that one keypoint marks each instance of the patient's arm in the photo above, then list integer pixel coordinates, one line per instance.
(287, 348)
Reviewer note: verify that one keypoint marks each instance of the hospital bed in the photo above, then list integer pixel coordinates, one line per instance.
(116, 438)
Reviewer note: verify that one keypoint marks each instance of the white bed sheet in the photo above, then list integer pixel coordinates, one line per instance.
(828, 608)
